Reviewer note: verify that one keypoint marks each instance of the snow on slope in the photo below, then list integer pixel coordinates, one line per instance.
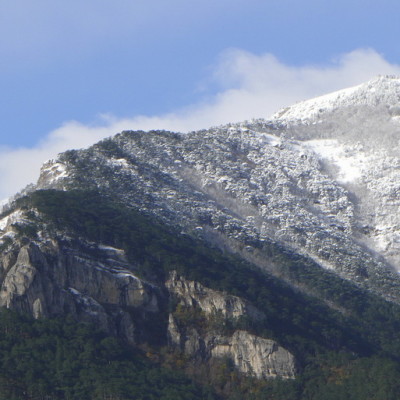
(330, 190)
(381, 90)
(349, 160)
(355, 133)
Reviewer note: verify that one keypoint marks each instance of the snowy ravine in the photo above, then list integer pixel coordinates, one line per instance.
(356, 134)
(322, 177)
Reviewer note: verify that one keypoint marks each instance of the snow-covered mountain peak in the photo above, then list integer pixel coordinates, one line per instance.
(321, 179)
(383, 91)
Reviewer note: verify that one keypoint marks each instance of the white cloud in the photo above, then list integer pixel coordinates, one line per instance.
(251, 86)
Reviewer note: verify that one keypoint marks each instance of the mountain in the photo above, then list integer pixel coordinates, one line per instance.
(327, 188)
(237, 254)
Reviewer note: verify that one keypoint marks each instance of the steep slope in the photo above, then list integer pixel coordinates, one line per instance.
(59, 260)
(273, 237)
(78, 253)
(244, 187)
(355, 133)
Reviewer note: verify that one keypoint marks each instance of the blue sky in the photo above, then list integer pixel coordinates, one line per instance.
(74, 72)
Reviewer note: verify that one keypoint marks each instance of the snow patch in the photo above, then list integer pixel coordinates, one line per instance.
(15, 217)
(92, 306)
(271, 140)
(111, 249)
(348, 159)
(125, 274)
(3, 223)
(54, 171)
(119, 162)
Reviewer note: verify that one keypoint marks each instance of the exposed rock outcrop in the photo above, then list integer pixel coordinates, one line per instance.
(52, 278)
(193, 294)
(56, 275)
(254, 355)
(251, 355)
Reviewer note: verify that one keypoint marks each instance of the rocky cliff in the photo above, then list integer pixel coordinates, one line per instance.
(193, 294)
(57, 275)
(252, 355)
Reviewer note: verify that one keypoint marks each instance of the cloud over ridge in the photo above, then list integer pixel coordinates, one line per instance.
(250, 86)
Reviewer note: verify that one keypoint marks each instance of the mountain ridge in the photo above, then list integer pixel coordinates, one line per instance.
(382, 90)
(265, 237)
(320, 189)
(229, 190)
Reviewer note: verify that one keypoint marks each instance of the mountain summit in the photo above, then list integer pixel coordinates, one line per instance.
(381, 91)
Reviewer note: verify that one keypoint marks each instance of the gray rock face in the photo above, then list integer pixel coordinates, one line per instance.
(255, 356)
(193, 294)
(50, 278)
(251, 355)
(55, 275)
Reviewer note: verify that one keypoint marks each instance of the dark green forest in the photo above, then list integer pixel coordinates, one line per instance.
(61, 359)
(349, 354)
